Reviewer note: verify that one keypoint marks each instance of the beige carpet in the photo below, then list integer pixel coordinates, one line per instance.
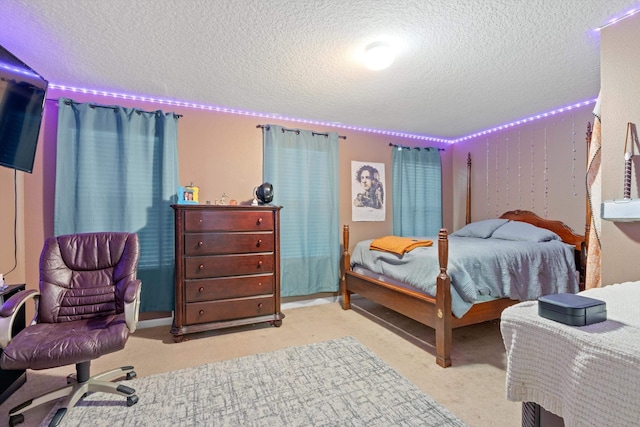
(473, 388)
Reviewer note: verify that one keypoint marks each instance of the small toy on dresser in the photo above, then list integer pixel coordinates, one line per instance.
(188, 195)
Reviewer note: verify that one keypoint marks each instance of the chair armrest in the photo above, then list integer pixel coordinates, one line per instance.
(10, 309)
(132, 303)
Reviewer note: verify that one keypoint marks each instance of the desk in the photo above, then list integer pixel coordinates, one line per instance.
(588, 375)
(10, 381)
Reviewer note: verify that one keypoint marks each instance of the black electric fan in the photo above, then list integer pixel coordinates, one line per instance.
(264, 193)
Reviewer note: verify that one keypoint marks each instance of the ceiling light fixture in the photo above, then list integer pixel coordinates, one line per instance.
(378, 56)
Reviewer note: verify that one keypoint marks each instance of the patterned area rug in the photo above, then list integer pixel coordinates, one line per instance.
(332, 383)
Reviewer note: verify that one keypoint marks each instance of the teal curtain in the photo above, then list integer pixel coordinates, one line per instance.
(416, 183)
(117, 170)
(302, 166)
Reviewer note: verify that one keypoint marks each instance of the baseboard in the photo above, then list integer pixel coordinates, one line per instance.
(167, 321)
(308, 302)
(152, 323)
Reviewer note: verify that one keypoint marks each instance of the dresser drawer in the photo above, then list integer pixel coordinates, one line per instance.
(221, 221)
(227, 265)
(230, 287)
(214, 311)
(227, 243)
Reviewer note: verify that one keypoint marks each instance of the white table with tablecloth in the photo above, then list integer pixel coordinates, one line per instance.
(588, 375)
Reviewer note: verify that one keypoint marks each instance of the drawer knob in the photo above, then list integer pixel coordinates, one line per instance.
(259, 243)
(200, 243)
(201, 312)
(201, 289)
(201, 267)
(259, 264)
(260, 305)
(259, 221)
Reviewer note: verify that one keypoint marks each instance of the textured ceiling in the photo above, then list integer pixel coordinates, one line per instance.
(462, 66)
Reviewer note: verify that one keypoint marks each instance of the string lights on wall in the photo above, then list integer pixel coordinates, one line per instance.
(507, 173)
(533, 205)
(519, 170)
(546, 177)
(573, 150)
(506, 164)
(497, 202)
(487, 171)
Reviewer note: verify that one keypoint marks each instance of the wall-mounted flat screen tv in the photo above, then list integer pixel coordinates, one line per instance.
(22, 96)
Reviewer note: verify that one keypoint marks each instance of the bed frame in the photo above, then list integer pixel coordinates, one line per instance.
(436, 312)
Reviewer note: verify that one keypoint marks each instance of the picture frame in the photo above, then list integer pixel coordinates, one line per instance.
(368, 191)
(188, 195)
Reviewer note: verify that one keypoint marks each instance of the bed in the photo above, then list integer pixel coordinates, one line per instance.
(587, 375)
(436, 307)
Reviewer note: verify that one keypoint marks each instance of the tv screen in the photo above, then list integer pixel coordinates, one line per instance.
(22, 96)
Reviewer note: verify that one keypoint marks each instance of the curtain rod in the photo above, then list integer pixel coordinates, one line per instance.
(418, 148)
(112, 107)
(297, 131)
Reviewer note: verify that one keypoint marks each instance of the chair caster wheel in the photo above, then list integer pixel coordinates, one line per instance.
(14, 420)
(131, 375)
(132, 400)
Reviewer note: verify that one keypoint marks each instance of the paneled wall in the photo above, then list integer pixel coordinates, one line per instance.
(539, 166)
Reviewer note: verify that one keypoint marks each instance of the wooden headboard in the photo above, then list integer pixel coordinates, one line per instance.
(560, 228)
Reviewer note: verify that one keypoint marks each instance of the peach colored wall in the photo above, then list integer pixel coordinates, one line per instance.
(539, 166)
(620, 62)
(11, 209)
(221, 153)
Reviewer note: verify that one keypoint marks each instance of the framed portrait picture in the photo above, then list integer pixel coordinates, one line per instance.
(367, 191)
(188, 195)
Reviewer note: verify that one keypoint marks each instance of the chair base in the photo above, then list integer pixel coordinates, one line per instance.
(76, 390)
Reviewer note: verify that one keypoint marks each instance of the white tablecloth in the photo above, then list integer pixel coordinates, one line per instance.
(588, 375)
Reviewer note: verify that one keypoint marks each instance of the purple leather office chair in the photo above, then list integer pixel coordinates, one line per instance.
(87, 307)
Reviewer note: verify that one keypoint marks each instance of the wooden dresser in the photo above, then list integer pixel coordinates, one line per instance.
(227, 267)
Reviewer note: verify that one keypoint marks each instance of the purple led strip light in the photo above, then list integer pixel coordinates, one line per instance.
(613, 21)
(316, 122)
(523, 121)
(243, 112)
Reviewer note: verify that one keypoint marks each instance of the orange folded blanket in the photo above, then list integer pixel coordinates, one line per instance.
(397, 245)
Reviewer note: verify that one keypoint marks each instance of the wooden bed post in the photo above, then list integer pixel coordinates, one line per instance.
(443, 304)
(346, 266)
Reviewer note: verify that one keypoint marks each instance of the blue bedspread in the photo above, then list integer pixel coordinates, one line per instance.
(480, 268)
